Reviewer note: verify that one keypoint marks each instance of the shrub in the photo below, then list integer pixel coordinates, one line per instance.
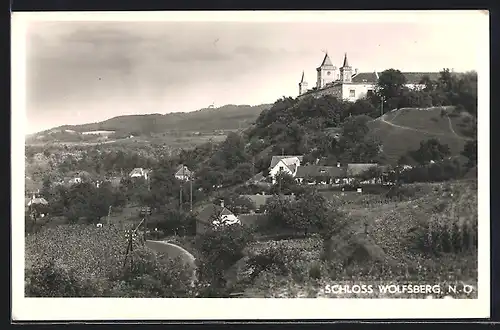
(278, 259)
(53, 279)
(315, 271)
(219, 249)
(151, 275)
(399, 192)
(444, 232)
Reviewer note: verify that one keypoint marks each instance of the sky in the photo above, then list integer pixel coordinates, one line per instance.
(88, 71)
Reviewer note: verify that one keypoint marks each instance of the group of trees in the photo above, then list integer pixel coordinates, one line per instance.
(449, 89)
(83, 200)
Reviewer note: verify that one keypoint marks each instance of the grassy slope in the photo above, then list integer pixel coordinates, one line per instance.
(415, 125)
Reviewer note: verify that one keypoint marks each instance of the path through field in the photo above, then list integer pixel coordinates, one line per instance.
(398, 111)
(455, 133)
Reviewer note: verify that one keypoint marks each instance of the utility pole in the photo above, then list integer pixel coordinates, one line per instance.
(382, 106)
(109, 214)
(191, 193)
(180, 191)
(282, 151)
(253, 166)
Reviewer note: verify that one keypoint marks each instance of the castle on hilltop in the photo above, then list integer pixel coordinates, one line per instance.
(348, 84)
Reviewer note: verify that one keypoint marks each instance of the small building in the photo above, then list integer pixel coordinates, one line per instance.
(213, 215)
(37, 206)
(314, 174)
(284, 164)
(257, 178)
(140, 172)
(183, 173)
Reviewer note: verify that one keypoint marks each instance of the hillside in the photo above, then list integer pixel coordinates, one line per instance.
(401, 130)
(228, 117)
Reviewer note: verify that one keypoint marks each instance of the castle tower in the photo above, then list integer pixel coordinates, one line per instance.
(325, 72)
(346, 71)
(302, 85)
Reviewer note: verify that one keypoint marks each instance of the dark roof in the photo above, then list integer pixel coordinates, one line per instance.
(320, 171)
(357, 169)
(207, 211)
(365, 77)
(180, 168)
(276, 159)
(326, 61)
(258, 177)
(411, 77)
(252, 219)
(346, 63)
(416, 77)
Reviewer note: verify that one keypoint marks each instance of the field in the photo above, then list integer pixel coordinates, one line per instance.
(390, 256)
(403, 129)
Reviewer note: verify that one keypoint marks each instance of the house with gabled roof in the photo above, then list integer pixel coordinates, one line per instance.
(211, 215)
(285, 164)
(140, 172)
(183, 173)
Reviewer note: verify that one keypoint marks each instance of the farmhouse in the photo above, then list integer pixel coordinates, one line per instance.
(351, 85)
(38, 206)
(286, 164)
(314, 174)
(213, 215)
(183, 173)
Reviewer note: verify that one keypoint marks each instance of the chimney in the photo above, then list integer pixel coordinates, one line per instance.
(355, 71)
(222, 203)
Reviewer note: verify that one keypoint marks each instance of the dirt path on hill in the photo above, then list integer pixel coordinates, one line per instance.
(455, 133)
(382, 119)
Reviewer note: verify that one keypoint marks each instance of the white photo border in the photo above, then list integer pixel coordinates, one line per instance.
(59, 309)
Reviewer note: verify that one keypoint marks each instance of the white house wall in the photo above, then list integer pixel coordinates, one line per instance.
(360, 91)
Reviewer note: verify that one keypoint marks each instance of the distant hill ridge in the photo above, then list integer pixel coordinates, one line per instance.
(227, 117)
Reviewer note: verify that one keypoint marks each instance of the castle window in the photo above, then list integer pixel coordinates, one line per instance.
(352, 93)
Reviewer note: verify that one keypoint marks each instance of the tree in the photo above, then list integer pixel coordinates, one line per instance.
(101, 199)
(363, 107)
(285, 184)
(354, 129)
(470, 151)
(220, 248)
(390, 84)
(430, 150)
(429, 84)
(304, 214)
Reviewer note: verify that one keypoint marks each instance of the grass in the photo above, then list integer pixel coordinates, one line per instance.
(422, 124)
